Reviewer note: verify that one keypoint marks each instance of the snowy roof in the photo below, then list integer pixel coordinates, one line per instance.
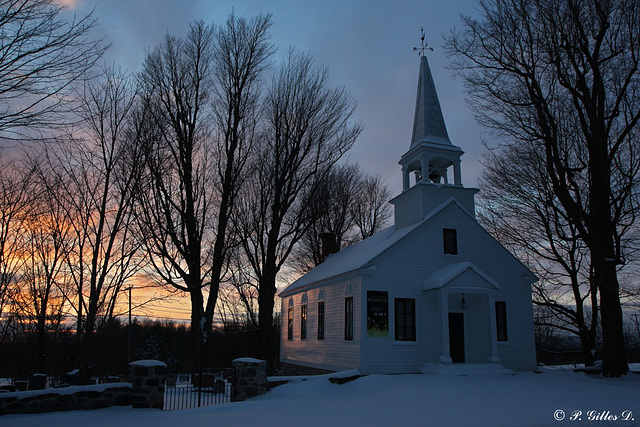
(358, 255)
(352, 257)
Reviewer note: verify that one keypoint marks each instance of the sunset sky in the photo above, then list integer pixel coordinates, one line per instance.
(366, 45)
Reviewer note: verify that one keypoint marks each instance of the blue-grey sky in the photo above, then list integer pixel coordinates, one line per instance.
(366, 45)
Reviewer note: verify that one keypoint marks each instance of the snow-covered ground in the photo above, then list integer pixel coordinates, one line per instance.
(524, 399)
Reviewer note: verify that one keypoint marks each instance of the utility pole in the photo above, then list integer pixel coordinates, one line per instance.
(129, 328)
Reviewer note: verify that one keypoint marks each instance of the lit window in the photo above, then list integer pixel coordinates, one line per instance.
(290, 320)
(303, 322)
(303, 317)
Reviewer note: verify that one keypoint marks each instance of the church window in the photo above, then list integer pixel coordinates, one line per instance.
(303, 322)
(321, 315)
(290, 320)
(348, 319)
(303, 317)
(501, 320)
(450, 240)
(405, 316)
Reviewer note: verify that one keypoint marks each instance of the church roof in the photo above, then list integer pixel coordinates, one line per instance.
(428, 122)
(359, 254)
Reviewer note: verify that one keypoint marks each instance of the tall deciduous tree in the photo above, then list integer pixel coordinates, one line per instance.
(41, 298)
(41, 56)
(519, 208)
(95, 174)
(564, 74)
(345, 205)
(201, 97)
(371, 211)
(309, 126)
(15, 200)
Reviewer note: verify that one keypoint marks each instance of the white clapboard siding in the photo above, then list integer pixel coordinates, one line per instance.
(401, 270)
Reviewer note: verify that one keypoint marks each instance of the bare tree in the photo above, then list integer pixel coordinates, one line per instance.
(346, 206)
(519, 208)
(96, 172)
(40, 300)
(372, 210)
(41, 56)
(15, 200)
(329, 213)
(563, 74)
(309, 127)
(201, 98)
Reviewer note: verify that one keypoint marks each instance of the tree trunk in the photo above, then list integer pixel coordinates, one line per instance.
(266, 299)
(86, 350)
(587, 346)
(613, 351)
(603, 256)
(198, 360)
(42, 318)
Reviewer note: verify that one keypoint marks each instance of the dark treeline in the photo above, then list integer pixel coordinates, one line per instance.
(165, 340)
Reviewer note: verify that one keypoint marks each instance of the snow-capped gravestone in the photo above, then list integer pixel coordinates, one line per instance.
(250, 378)
(148, 377)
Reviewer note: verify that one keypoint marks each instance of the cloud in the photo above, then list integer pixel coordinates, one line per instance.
(69, 4)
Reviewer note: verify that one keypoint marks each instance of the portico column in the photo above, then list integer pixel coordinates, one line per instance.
(495, 356)
(445, 355)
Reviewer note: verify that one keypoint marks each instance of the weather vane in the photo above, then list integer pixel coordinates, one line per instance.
(423, 45)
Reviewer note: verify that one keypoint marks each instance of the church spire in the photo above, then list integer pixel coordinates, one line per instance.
(428, 122)
(431, 169)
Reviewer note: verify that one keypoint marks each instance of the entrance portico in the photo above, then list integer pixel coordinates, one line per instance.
(466, 300)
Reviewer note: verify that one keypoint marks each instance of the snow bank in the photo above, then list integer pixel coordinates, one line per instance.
(248, 360)
(523, 399)
(65, 390)
(148, 363)
(296, 378)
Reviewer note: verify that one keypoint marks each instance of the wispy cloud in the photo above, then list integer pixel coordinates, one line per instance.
(70, 4)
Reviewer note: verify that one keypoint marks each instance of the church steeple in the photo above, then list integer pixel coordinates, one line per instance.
(431, 153)
(428, 122)
(431, 169)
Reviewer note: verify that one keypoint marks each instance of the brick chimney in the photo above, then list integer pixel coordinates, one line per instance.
(329, 245)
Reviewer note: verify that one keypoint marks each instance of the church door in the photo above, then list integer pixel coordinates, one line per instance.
(456, 337)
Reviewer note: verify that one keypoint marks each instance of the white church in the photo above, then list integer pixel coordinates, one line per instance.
(432, 293)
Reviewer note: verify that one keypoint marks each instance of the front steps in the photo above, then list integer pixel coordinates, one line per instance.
(465, 369)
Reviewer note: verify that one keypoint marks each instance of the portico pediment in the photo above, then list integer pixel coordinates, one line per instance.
(462, 277)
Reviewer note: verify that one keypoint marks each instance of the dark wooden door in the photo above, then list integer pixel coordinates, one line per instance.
(456, 337)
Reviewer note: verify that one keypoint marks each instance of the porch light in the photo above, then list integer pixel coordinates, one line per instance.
(463, 303)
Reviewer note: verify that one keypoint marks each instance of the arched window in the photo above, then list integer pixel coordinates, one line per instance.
(290, 320)
(303, 317)
(348, 290)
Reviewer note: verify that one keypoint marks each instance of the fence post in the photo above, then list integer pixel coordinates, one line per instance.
(148, 377)
(250, 378)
